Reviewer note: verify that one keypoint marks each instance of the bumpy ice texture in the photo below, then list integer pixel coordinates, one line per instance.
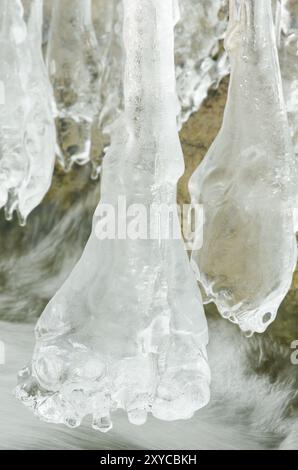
(75, 68)
(247, 181)
(127, 329)
(27, 132)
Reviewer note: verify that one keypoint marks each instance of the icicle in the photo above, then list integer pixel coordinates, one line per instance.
(40, 136)
(74, 64)
(127, 329)
(27, 134)
(15, 61)
(200, 61)
(247, 181)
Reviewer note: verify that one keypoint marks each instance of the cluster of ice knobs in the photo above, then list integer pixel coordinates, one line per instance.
(127, 329)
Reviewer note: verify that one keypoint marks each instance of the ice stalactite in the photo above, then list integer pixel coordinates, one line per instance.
(40, 134)
(27, 134)
(247, 181)
(288, 55)
(127, 329)
(13, 102)
(75, 70)
(201, 62)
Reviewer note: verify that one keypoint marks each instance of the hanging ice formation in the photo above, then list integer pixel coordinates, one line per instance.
(127, 329)
(75, 70)
(287, 24)
(201, 62)
(246, 182)
(27, 133)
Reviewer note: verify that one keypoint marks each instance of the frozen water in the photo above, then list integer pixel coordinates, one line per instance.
(127, 329)
(247, 181)
(13, 106)
(27, 133)
(75, 68)
(201, 61)
(288, 54)
(40, 135)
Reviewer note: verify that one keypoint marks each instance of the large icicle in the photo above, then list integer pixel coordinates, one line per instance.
(201, 62)
(15, 62)
(40, 135)
(75, 70)
(127, 329)
(246, 182)
(27, 134)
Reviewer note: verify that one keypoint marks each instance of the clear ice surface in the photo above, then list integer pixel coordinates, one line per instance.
(201, 62)
(288, 55)
(127, 329)
(27, 132)
(75, 69)
(248, 180)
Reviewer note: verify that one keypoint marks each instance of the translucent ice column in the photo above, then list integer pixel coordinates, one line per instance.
(127, 329)
(15, 63)
(200, 59)
(74, 64)
(27, 132)
(247, 180)
(39, 132)
(288, 55)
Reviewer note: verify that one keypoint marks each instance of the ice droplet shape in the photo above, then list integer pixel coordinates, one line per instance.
(127, 329)
(27, 134)
(247, 182)
(75, 70)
